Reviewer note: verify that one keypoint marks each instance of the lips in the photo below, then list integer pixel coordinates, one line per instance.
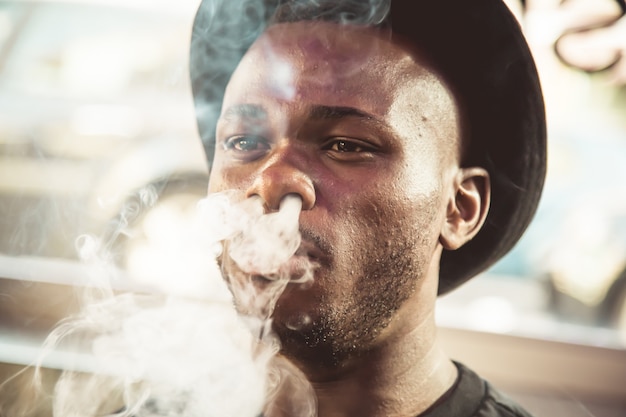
(298, 269)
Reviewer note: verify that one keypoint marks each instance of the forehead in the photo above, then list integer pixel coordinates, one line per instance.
(339, 51)
(321, 57)
(320, 63)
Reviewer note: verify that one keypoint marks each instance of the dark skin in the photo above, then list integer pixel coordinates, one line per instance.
(368, 136)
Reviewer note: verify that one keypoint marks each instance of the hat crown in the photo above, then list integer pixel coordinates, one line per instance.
(479, 49)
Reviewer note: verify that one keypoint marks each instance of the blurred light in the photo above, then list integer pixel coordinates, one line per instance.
(590, 255)
(172, 7)
(6, 27)
(106, 120)
(30, 176)
(545, 21)
(491, 313)
(104, 66)
(164, 250)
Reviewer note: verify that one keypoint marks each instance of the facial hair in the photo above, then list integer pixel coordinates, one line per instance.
(385, 274)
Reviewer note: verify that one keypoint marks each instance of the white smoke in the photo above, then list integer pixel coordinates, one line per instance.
(191, 352)
(182, 348)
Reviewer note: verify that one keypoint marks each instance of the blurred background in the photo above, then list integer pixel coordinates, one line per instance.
(97, 129)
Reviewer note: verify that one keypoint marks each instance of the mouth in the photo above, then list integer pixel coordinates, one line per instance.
(297, 270)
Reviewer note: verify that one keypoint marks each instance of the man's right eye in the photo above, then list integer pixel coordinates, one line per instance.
(244, 143)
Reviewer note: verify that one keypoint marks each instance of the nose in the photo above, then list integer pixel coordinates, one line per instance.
(280, 177)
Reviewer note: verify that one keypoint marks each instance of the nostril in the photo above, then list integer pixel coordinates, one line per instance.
(279, 180)
(261, 202)
(303, 187)
(291, 203)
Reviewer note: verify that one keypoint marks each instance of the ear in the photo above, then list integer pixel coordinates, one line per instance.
(467, 207)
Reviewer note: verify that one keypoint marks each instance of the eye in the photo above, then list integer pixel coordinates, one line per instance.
(345, 146)
(244, 143)
(349, 150)
(246, 147)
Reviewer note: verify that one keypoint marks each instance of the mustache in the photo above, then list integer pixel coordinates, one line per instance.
(321, 244)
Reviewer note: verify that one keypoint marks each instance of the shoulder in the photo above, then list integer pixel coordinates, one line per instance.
(496, 403)
(493, 403)
(472, 396)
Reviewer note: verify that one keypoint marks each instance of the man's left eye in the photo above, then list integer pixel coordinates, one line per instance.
(342, 145)
(350, 150)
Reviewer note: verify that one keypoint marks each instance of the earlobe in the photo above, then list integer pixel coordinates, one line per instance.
(467, 207)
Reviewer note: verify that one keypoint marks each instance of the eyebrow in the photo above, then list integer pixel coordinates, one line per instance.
(322, 112)
(338, 112)
(317, 112)
(251, 111)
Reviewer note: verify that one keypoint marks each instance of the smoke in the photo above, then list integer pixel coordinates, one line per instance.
(223, 31)
(187, 350)
(199, 343)
(168, 358)
(346, 12)
(257, 267)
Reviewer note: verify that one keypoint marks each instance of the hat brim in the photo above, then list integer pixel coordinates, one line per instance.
(479, 48)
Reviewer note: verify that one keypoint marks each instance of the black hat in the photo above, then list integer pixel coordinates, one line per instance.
(478, 47)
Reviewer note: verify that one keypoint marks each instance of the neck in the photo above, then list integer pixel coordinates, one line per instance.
(401, 375)
(401, 378)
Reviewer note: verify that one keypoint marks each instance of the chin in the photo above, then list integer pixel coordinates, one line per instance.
(294, 311)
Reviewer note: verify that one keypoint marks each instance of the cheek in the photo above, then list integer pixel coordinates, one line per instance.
(422, 173)
(421, 185)
(406, 210)
(222, 178)
(375, 215)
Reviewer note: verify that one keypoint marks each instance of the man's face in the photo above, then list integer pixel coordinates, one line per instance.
(368, 137)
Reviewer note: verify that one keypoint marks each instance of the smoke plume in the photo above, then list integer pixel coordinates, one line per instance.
(187, 350)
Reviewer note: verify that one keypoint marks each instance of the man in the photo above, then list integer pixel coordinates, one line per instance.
(414, 134)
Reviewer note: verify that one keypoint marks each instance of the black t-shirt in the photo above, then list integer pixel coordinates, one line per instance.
(472, 396)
